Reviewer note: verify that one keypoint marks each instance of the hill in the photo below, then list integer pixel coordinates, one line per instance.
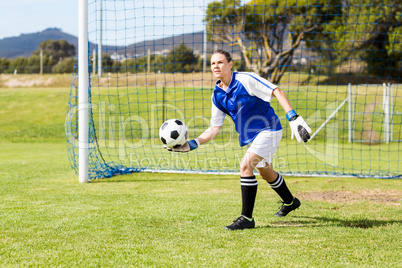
(192, 40)
(25, 44)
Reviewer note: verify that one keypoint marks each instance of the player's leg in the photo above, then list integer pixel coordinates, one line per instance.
(248, 182)
(265, 145)
(278, 184)
(249, 185)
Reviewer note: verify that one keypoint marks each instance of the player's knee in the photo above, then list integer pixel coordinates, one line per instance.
(246, 169)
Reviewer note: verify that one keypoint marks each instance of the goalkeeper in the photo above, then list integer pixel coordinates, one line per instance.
(246, 97)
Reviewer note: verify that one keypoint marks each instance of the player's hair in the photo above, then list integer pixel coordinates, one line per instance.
(224, 52)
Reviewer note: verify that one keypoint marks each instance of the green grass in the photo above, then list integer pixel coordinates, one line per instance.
(33, 114)
(173, 220)
(49, 219)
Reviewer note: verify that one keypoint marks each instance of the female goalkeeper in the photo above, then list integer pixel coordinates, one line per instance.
(246, 97)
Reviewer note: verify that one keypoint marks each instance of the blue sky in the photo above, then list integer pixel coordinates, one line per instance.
(29, 16)
(151, 18)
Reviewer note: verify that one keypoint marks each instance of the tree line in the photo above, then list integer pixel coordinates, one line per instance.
(53, 56)
(180, 59)
(58, 56)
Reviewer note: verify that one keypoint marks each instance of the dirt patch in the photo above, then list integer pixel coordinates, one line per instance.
(35, 80)
(390, 197)
(28, 82)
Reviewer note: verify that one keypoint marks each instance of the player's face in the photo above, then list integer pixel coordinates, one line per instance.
(220, 66)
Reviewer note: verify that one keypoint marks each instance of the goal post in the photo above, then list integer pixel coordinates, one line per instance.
(150, 64)
(83, 96)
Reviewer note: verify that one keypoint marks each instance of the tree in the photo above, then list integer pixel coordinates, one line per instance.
(372, 32)
(33, 64)
(4, 64)
(20, 64)
(56, 49)
(181, 59)
(64, 66)
(268, 31)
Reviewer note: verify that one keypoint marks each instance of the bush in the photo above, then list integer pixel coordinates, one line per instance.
(4, 64)
(181, 59)
(64, 66)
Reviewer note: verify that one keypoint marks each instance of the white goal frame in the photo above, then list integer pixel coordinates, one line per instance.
(83, 96)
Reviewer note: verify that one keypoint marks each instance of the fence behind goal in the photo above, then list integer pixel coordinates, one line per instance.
(339, 62)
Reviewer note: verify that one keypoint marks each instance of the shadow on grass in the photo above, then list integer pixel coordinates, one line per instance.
(325, 221)
(163, 177)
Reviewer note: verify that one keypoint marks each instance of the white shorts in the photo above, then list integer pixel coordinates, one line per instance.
(265, 145)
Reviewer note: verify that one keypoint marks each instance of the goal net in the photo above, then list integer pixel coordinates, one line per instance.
(339, 63)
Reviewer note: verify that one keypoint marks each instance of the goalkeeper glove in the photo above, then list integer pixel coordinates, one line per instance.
(188, 146)
(298, 126)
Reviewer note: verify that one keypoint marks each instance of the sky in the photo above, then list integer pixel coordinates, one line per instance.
(146, 19)
(29, 16)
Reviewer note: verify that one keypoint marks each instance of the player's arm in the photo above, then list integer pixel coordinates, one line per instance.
(282, 99)
(206, 136)
(298, 125)
(217, 119)
(209, 134)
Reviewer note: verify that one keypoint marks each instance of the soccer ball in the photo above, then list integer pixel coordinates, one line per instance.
(173, 133)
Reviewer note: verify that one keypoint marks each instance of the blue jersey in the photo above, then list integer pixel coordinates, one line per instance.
(247, 102)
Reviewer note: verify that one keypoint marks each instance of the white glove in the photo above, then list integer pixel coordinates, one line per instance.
(187, 147)
(299, 128)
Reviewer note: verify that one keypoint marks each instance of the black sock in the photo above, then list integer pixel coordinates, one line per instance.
(248, 193)
(281, 189)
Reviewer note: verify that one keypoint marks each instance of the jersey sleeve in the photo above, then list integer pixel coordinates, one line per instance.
(257, 86)
(217, 116)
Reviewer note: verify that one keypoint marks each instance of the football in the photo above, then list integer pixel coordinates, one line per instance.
(173, 133)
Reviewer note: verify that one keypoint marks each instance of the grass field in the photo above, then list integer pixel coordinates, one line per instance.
(48, 219)
(171, 220)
